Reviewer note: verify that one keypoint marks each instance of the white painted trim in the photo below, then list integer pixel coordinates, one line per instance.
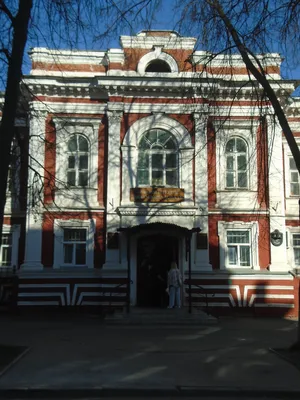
(115, 56)
(217, 296)
(245, 130)
(239, 212)
(80, 300)
(14, 230)
(40, 286)
(51, 56)
(287, 154)
(38, 303)
(65, 129)
(157, 54)
(130, 153)
(253, 228)
(290, 250)
(268, 296)
(171, 41)
(59, 225)
(274, 305)
(102, 303)
(257, 277)
(157, 121)
(45, 294)
(263, 287)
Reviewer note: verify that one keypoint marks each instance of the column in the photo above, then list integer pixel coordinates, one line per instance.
(201, 187)
(128, 172)
(187, 157)
(114, 116)
(35, 195)
(201, 258)
(276, 195)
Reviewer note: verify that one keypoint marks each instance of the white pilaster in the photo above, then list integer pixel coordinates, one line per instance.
(201, 184)
(187, 157)
(114, 116)
(276, 194)
(34, 218)
(128, 172)
(201, 189)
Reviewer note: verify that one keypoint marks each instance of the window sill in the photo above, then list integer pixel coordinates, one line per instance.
(236, 190)
(79, 188)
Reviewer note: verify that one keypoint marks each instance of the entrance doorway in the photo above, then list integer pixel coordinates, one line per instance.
(154, 256)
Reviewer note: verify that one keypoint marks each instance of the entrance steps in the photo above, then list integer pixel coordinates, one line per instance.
(159, 316)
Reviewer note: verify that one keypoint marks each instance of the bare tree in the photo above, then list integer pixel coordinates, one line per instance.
(58, 24)
(248, 27)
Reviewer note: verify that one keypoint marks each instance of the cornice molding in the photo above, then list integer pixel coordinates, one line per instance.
(171, 41)
(101, 88)
(156, 211)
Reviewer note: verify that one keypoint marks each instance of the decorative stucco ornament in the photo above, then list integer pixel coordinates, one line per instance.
(276, 238)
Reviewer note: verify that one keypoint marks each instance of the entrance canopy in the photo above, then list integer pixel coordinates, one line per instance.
(159, 226)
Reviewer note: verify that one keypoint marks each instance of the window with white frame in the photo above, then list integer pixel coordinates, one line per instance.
(294, 178)
(296, 248)
(239, 248)
(74, 243)
(236, 164)
(78, 161)
(157, 159)
(6, 250)
(74, 246)
(238, 244)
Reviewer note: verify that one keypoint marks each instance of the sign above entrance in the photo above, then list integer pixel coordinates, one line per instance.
(156, 195)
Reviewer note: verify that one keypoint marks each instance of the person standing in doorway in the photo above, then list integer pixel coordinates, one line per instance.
(174, 284)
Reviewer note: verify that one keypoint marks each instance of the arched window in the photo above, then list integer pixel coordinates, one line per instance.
(158, 66)
(157, 159)
(78, 161)
(236, 164)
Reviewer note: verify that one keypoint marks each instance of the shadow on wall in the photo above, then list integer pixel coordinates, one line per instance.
(242, 293)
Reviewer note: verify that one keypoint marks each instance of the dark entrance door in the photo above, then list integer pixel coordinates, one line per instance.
(154, 256)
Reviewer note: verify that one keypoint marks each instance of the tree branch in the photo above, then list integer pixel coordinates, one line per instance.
(6, 11)
(261, 78)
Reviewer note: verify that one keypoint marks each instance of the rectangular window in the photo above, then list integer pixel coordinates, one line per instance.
(6, 249)
(296, 248)
(238, 248)
(294, 178)
(74, 243)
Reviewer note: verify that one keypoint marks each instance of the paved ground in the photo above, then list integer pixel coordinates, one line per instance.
(81, 352)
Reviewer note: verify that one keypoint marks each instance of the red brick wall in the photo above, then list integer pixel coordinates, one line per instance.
(292, 222)
(68, 67)
(272, 69)
(211, 166)
(127, 121)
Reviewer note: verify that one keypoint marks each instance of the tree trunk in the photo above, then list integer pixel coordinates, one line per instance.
(20, 30)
